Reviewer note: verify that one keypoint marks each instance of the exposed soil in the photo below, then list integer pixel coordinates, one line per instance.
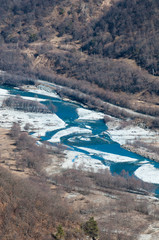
(8, 154)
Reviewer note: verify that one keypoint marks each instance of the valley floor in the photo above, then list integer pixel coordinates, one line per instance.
(123, 132)
(117, 212)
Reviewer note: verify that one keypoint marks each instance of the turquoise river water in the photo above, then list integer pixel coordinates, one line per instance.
(97, 140)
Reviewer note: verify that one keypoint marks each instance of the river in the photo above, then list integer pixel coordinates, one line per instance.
(86, 135)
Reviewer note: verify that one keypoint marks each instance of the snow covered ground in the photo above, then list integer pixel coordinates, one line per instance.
(130, 133)
(3, 94)
(109, 156)
(46, 91)
(78, 159)
(148, 173)
(68, 131)
(41, 123)
(33, 99)
(85, 114)
(122, 135)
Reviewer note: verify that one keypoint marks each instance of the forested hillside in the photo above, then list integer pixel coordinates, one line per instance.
(129, 30)
(105, 54)
(109, 46)
(126, 29)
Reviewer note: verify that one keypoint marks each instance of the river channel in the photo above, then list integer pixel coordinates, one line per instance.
(93, 139)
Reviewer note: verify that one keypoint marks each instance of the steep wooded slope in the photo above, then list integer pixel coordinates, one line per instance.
(108, 46)
(129, 29)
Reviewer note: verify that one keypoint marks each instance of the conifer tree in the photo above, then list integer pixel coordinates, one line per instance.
(91, 228)
(60, 232)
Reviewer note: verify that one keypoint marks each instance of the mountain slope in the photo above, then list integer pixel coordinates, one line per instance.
(106, 46)
(129, 29)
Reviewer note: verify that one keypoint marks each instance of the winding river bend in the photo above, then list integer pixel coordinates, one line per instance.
(86, 137)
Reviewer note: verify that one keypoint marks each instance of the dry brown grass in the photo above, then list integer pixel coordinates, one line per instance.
(120, 215)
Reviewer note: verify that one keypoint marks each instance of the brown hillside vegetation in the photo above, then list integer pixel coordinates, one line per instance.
(105, 54)
(114, 29)
(24, 213)
(129, 29)
(85, 42)
(118, 203)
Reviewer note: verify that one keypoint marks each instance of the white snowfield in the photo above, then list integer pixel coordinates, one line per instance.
(43, 91)
(130, 133)
(41, 123)
(85, 114)
(3, 94)
(148, 173)
(68, 131)
(109, 156)
(77, 159)
(33, 99)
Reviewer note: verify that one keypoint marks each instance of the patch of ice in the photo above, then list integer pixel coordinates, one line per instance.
(3, 94)
(85, 114)
(148, 173)
(68, 131)
(130, 133)
(145, 237)
(74, 139)
(85, 139)
(77, 159)
(109, 156)
(143, 162)
(43, 92)
(88, 127)
(41, 123)
(2, 72)
(3, 91)
(39, 143)
(33, 99)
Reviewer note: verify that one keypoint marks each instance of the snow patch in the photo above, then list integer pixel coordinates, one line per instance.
(130, 133)
(41, 123)
(68, 131)
(109, 156)
(85, 114)
(3, 94)
(148, 173)
(145, 237)
(77, 159)
(86, 139)
(43, 92)
(33, 99)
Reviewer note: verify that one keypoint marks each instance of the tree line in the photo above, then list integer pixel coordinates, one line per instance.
(21, 104)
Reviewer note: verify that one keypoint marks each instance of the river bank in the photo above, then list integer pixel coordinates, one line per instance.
(142, 151)
(89, 144)
(40, 124)
(125, 132)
